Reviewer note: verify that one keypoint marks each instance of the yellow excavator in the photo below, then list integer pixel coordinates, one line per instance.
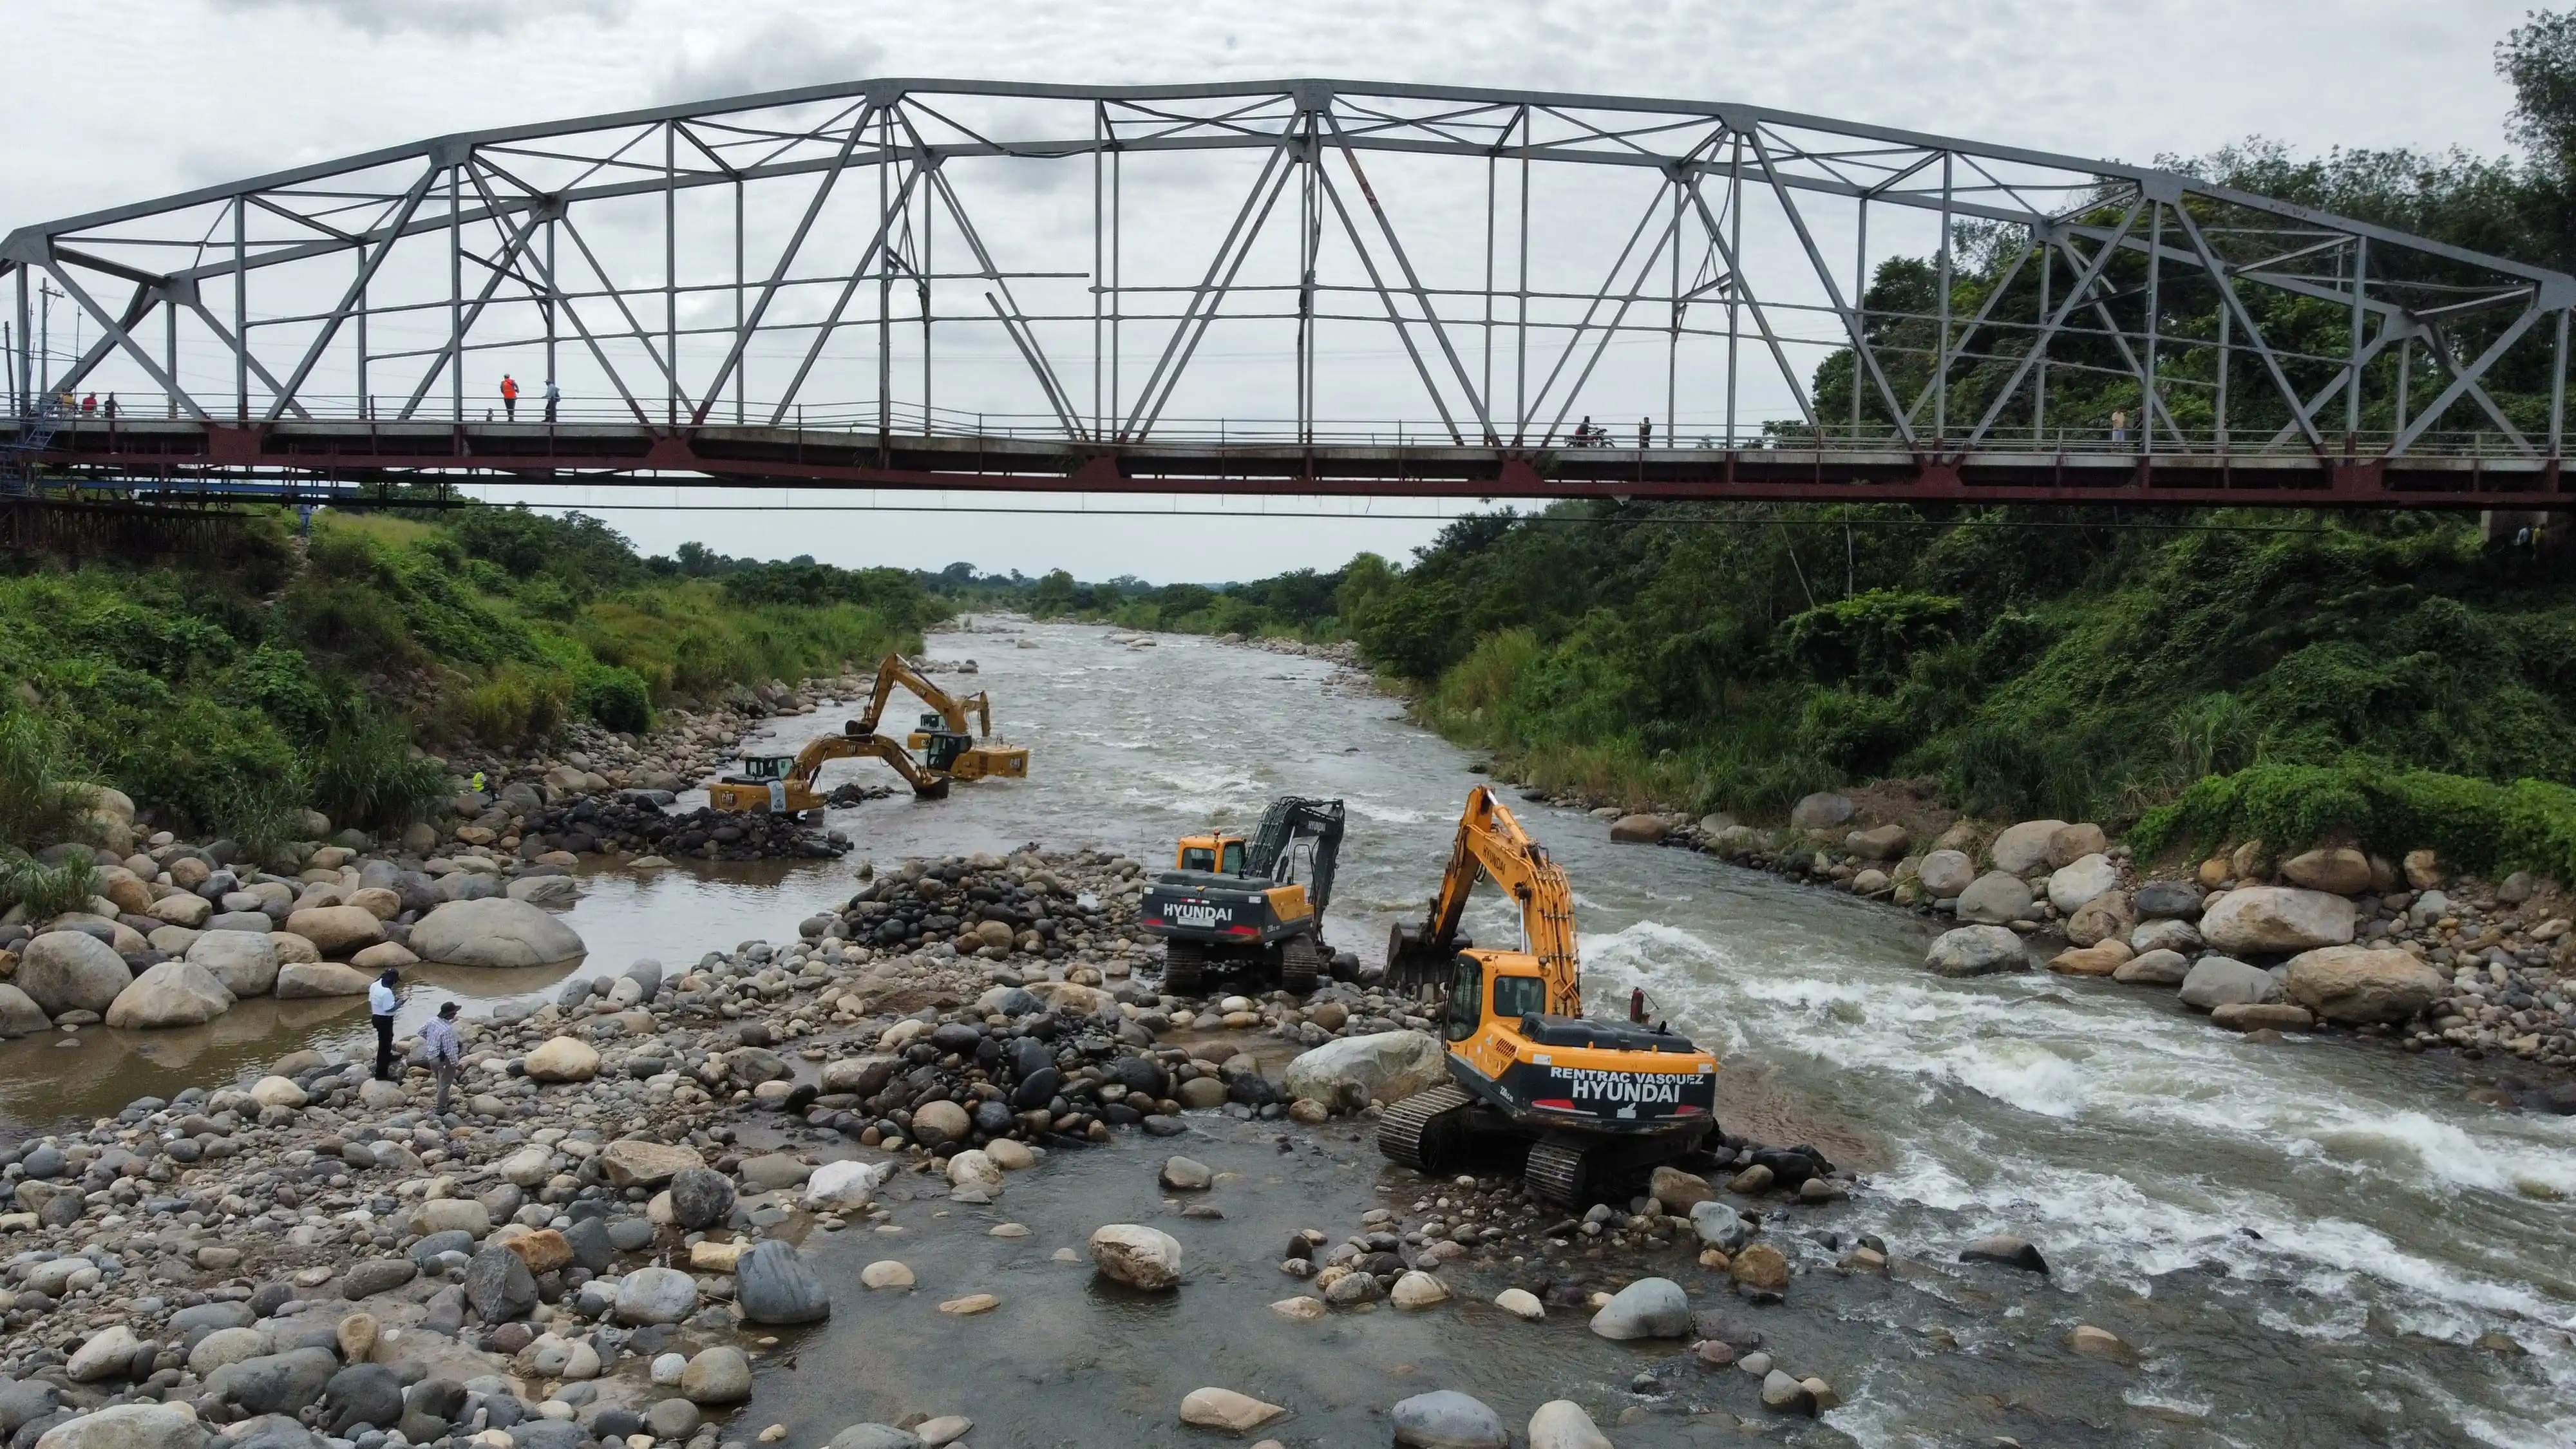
(1598, 1102)
(785, 784)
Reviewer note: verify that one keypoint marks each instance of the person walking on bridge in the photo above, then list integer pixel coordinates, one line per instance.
(1645, 432)
(510, 396)
(554, 398)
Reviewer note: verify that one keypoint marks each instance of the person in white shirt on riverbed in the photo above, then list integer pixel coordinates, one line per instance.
(382, 1002)
(446, 1051)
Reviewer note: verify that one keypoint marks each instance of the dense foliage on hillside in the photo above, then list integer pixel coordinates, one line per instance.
(227, 692)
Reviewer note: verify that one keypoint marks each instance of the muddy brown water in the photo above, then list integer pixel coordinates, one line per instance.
(2310, 1242)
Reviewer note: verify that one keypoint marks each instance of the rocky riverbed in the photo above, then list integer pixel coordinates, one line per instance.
(2244, 1241)
(592, 1244)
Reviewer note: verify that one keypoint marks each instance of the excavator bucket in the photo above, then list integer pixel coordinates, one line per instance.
(1414, 961)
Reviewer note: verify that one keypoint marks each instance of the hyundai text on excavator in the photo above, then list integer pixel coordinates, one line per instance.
(1231, 901)
(785, 784)
(1598, 1102)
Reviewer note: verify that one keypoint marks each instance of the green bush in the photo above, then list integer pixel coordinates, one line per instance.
(37, 807)
(46, 891)
(614, 698)
(365, 775)
(2479, 825)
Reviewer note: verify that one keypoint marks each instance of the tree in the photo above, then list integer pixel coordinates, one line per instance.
(2540, 59)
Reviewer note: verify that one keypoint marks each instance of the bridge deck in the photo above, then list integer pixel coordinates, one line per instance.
(593, 453)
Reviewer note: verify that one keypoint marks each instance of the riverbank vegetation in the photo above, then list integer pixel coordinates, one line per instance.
(286, 672)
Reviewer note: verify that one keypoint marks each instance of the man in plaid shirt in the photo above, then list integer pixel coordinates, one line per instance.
(446, 1051)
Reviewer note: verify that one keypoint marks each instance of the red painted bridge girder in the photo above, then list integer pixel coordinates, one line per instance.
(587, 454)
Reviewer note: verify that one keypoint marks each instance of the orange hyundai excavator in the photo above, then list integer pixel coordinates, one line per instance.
(1598, 1102)
(785, 784)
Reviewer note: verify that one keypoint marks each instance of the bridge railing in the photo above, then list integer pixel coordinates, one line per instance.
(63, 432)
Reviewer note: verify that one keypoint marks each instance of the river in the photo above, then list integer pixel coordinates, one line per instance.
(2310, 1242)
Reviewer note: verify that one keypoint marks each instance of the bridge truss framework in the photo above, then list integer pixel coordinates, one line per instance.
(913, 283)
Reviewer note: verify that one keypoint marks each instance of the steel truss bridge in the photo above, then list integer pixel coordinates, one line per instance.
(1301, 287)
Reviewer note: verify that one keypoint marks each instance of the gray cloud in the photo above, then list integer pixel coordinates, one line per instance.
(786, 52)
(462, 18)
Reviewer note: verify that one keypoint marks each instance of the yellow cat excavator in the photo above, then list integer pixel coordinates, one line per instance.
(785, 784)
(1597, 1101)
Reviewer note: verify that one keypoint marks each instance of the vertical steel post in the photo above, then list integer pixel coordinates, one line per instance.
(2352, 362)
(1673, 336)
(361, 319)
(921, 284)
(1493, 164)
(1309, 241)
(1520, 327)
(2039, 339)
(241, 309)
(2558, 389)
(456, 293)
(170, 350)
(885, 279)
(1117, 271)
(671, 269)
(1860, 309)
(553, 303)
(1098, 198)
(2226, 353)
(1735, 283)
(742, 368)
(26, 375)
(1941, 346)
(2406, 365)
(2155, 309)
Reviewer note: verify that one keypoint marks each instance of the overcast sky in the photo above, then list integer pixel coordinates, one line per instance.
(110, 101)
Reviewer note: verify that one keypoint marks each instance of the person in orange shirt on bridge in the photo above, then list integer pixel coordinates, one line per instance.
(510, 396)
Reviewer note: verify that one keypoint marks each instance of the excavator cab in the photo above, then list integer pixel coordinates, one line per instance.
(1216, 854)
(761, 769)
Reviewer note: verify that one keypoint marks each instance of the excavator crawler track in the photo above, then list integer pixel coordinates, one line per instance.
(1421, 1132)
(1556, 1174)
(1299, 965)
(1184, 967)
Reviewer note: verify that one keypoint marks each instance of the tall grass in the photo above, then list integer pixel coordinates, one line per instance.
(46, 891)
(37, 806)
(365, 775)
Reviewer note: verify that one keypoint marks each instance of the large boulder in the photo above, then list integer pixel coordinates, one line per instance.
(280, 1383)
(1138, 1256)
(2078, 882)
(656, 1295)
(2071, 843)
(499, 1285)
(182, 909)
(19, 1013)
(1884, 842)
(247, 965)
(1647, 1308)
(1562, 1424)
(1994, 899)
(337, 930)
(1389, 1066)
(2356, 985)
(1823, 810)
(2339, 869)
(563, 1059)
(304, 980)
(173, 993)
(1945, 873)
(2105, 917)
(1975, 951)
(1639, 829)
(495, 932)
(2023, 848)
(772, 1284)
(2168, 900)
(1448, 1419)
(2260, 919)
(634, 1162)
(71, 971)
(129, 1426)
(2216, 981)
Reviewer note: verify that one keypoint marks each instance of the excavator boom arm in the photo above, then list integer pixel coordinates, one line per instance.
(898, 670)
(1491, 844)
(810, 760)
(1289, 819)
